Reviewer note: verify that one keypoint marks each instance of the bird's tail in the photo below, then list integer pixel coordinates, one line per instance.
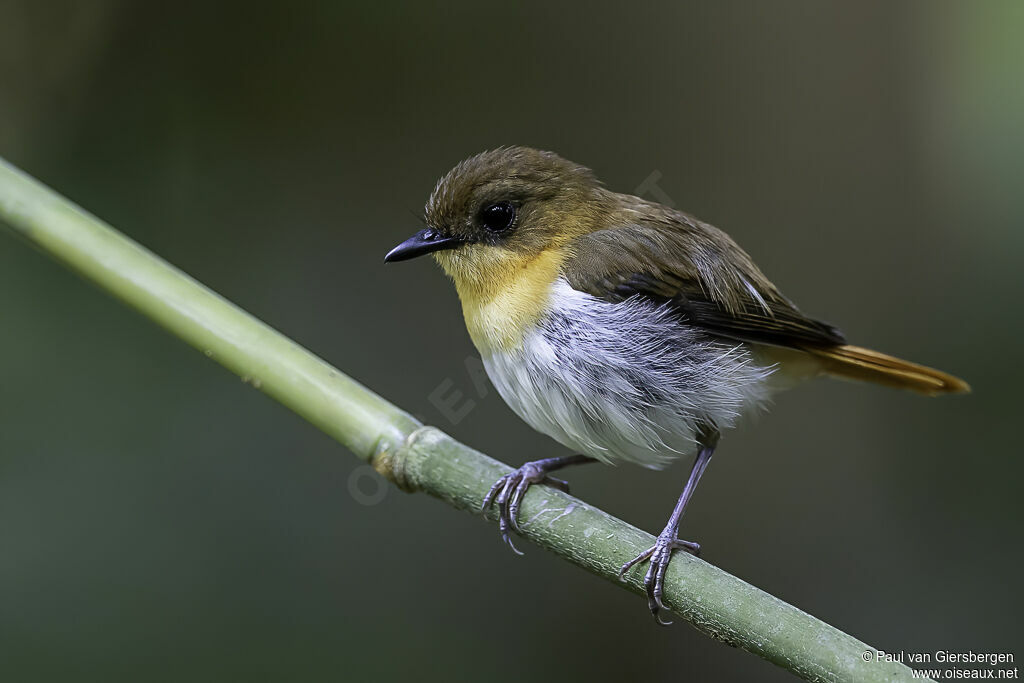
(855, 362)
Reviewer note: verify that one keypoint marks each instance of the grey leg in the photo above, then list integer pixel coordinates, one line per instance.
(661, 552)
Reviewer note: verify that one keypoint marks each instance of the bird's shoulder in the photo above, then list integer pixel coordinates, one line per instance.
(651, 251)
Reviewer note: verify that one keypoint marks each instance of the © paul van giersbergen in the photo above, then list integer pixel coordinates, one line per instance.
(623, 329)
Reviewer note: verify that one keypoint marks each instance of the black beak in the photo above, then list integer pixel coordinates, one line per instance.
(423, 242)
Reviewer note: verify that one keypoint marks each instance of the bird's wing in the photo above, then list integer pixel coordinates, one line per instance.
(672, 258)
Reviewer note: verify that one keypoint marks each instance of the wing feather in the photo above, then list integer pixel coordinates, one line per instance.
(671, 257)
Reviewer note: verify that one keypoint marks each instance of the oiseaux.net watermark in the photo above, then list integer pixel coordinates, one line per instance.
(943, 665)
(452, 398)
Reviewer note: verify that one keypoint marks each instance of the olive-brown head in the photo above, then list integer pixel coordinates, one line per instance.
(497, 212)
(500, 223)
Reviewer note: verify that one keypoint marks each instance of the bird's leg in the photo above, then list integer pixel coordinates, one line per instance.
(508, 491)
(661, 552)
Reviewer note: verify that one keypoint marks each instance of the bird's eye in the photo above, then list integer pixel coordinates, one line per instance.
(498, 217)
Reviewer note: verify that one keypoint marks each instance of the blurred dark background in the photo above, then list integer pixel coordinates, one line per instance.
(160, 520)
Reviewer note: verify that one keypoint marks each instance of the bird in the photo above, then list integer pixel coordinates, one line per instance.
(626, 330)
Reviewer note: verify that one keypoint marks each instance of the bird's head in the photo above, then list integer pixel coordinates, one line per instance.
(498, 211)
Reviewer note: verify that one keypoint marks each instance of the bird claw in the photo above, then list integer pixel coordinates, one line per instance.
(659, 555)
(507, 494)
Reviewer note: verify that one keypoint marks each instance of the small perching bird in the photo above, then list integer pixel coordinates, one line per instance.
(625, 330)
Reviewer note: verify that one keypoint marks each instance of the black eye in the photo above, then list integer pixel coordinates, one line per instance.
(498, 217)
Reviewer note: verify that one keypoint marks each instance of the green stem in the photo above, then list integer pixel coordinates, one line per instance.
(265, 358)
(419, 458)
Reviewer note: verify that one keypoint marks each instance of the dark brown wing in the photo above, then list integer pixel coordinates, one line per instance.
(778, 323)
(670, 257)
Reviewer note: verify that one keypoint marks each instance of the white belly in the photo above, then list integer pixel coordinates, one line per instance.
(625, 382)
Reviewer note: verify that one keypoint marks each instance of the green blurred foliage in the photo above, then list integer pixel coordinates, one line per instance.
(160, 520)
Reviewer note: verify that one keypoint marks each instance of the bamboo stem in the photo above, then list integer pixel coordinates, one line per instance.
(419, 458)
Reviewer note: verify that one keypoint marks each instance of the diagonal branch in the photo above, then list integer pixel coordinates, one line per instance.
(417, 457)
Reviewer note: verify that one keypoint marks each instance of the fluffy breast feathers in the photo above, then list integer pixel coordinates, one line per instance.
(623, 382)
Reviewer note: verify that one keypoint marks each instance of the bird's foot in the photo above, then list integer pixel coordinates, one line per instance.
(659, 556)
(507, 493)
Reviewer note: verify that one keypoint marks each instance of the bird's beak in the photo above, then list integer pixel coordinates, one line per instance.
(423, 242)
